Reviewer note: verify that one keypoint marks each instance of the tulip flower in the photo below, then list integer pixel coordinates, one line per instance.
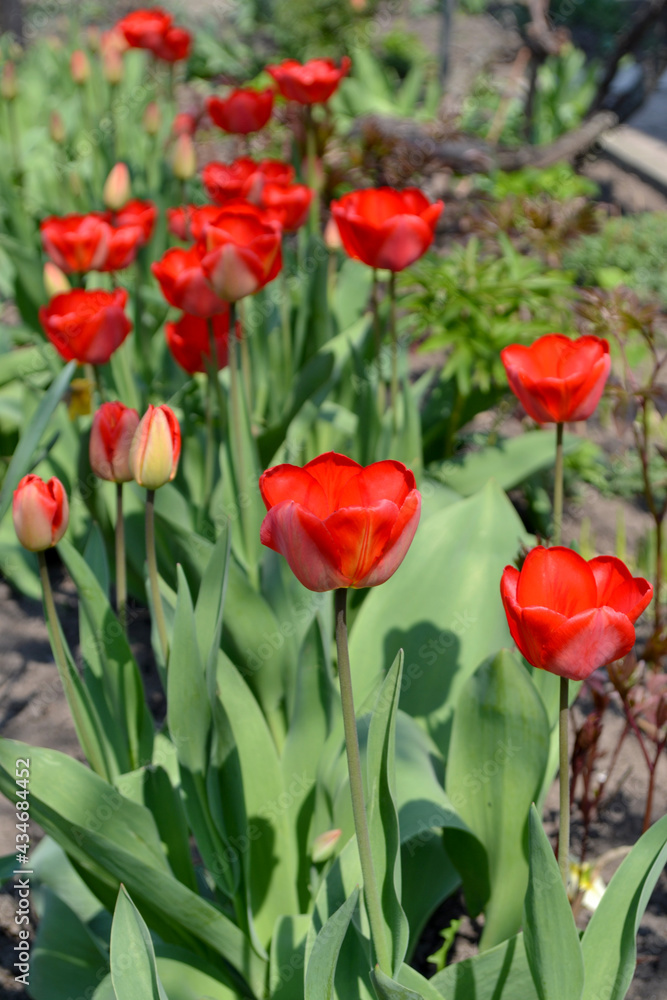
(244, 178)
(55, 282)
(137, 212)
(75, 242)
(184, 122)
(311, 83)
(386, 228)
(184, 284)
(153, 29)
(86, 326)
(287, 204)
(339, 524)
(570, 616)
(188, 221)
(242, 111)
(57, 130)
(557, 379)
(116, 190)
(79, 67)
(184, 159)
(155, 448)
(123, 244)
(111, 435)
(152, 118)
(40, 512)
(241, 252)
(189, 341)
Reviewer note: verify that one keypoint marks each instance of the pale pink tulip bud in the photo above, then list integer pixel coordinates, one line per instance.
(112, 65)
(114, 427)
(55, 281)
(79, 67)
(332, 240)
(41, 513)
(152, 118)
(324, 846)
(57, 127)
(8, 84)
(156, 447)
(116, 192)
(184, 162)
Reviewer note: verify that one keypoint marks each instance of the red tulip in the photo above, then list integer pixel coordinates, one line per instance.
(138, 213)
(188, 221)
(86, 326)
(190, 345)
(40, 512)
(241, 252)
(244, 178)
(184, 123)
(153, 29)
(75, 242)
(386, 228)
(184, 283)
(569, 616)
(557, 379)
(339, 524)
(242, 111)
(156, 448)
(311, 83)
(123, 243)
(111, 435)
(288, 204)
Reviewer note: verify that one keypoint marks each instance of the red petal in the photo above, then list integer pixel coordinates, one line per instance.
(333, 471)
(387, 480)
(618, 589)
(289, 482)
(558, 579)
(306, 544)
(399, 542)
(588, 641)
(361, 536)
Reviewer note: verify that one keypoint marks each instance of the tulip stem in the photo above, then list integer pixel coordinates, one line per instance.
(121, 577)
(236, 418)
(564, 780)
(394, 351)
(52, 618)
(286, 328)
(153, 579)
(371, 894)
(558, 487)
(377, 335)
(15, 141)
(311, 154)
(211, 378)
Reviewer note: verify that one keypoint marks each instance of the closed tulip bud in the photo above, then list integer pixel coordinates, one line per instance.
(55, 281)
(111, 435)
(324, 846)
(332, 239)
(117, 187)
(156, 447)
(112, 66)
(8, 85)
(184, 162)
(79, 67)
(56, 128)
(41, 513)
(152, 117)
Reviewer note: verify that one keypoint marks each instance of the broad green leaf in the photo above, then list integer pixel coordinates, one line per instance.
(442, 606)
(382, 812)
(134, 974)
(111, 673)
(509, 462)
(288, 946)
(23, 456)
(184, 976)
(550, 935)
(55, 872)
(66, 958)
(414, 981)
(609, 943)
(211, 597)
(502, 973)
(188, 707)
(387, 989)
(493, 777)
(323, 958)
(23, 362)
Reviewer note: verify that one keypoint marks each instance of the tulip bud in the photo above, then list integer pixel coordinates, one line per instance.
(79, 67)
(324, 845)
(152, 118)
(112, 66)
(111, 435)
(55, 281)
(41, 512)
(8, 85)
(332, 240)
(56, 127)
(116, 190)
(184, 122)
(156, 447)
(184, 162)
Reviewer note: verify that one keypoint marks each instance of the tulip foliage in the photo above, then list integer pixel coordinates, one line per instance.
(361, 654)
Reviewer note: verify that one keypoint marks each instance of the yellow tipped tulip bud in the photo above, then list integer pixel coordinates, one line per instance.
(55, 281)
(117, 187)
(152, 117)
(155, 448)
(40, 512)
(324, 846)
(184, 163)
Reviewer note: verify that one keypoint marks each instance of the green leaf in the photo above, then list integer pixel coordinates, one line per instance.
(288, 947)
(609, 943)
(387, 989)
(550, 934)
(509, 462)
(67, 959)
(134, 973)
(382, 812)
(454, 563)
(323, 959)
(188, 707)
(493, 778)
(23, 456)
(415, 981)
(501, 973)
